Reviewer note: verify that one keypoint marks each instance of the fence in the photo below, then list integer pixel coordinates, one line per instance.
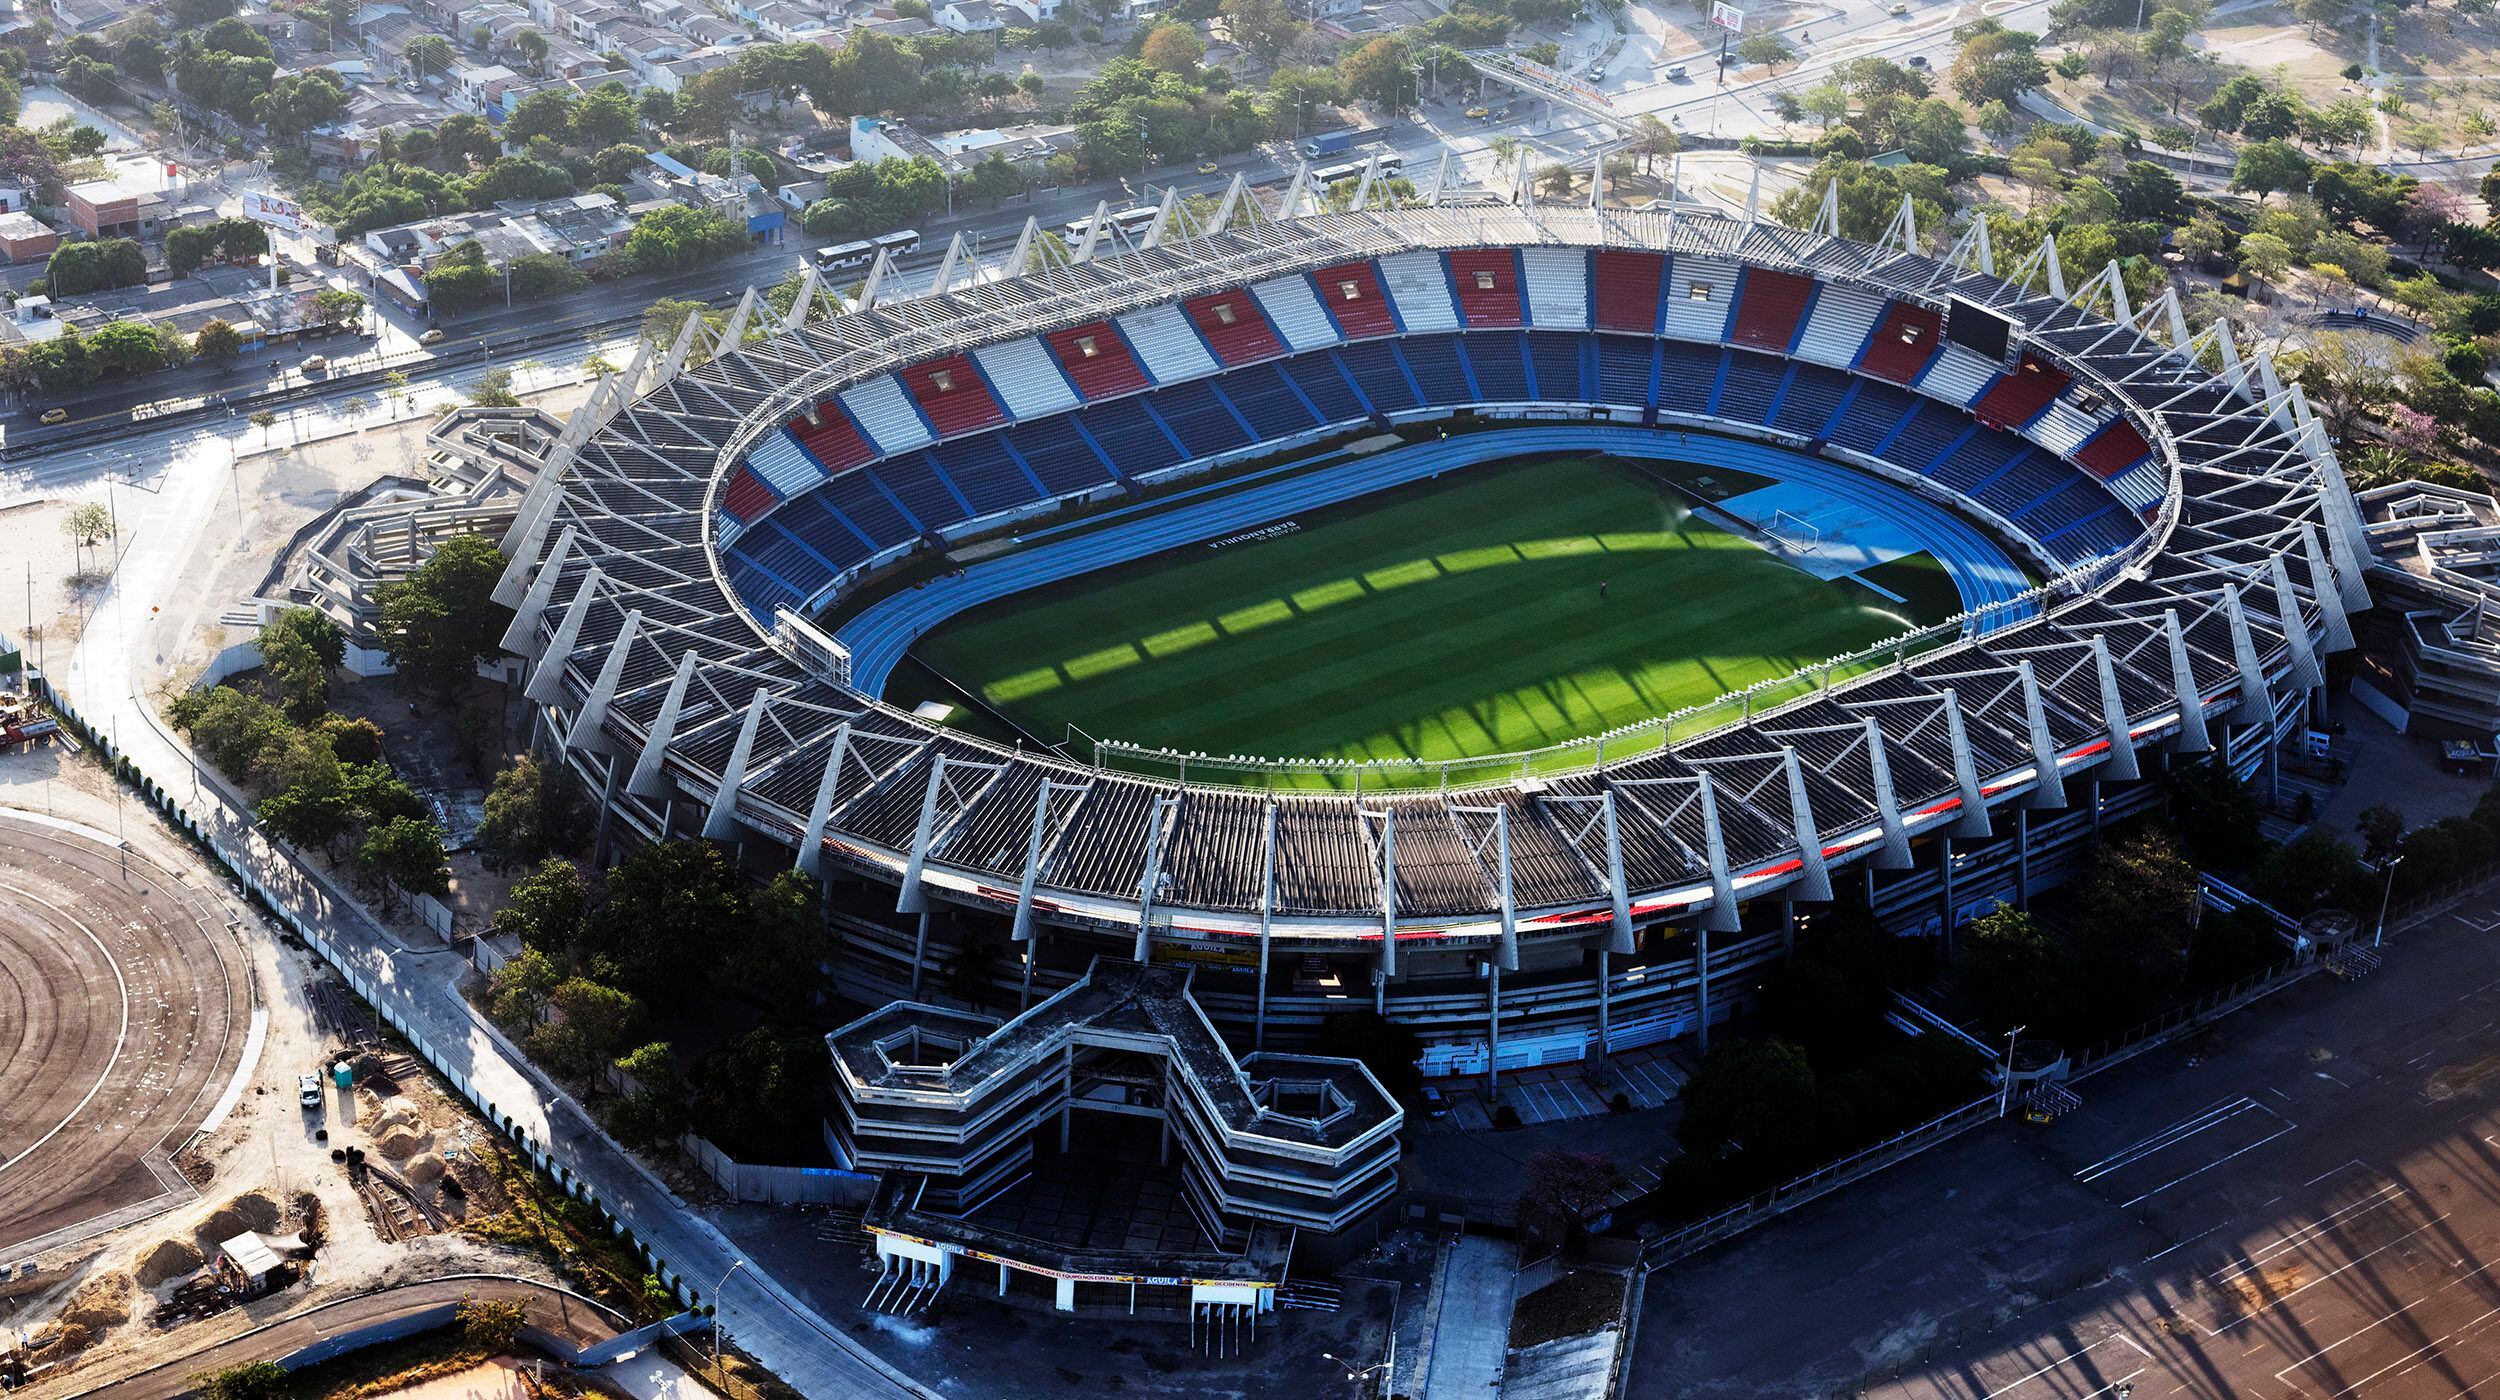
(781, 1186)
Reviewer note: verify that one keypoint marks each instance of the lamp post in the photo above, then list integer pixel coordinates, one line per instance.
(2005, 1084)
(717, 1324)
(2377, 935)
(1351, 1373)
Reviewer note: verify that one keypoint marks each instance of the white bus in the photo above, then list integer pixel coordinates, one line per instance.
(1390, 164)
(899, 242)
(845, 257)
(1133, 222)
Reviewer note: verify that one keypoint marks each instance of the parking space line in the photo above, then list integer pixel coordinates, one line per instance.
(2258, 1258)
(2384, 1318)
(2352, 1264)
(2288, 1126)
(2176, 1132)
(2414, 1355)
(2020, 1381)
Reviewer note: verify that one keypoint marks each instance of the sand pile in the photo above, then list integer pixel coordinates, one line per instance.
(100, 1305)
(252, 1211)
(424, 1169)
(170, 1260)
(400, 1144)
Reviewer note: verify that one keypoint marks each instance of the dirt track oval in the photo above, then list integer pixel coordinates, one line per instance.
(123, 1008)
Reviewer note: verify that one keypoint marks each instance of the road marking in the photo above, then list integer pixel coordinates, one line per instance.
(2352, 1264)
(2382, 1320)
(120, 1035)
(2257, 1258)
(2178, 1131)
(2021, 1381)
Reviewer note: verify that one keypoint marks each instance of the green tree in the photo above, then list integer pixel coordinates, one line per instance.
(605, 118)
(1378, 72)
(459, 281)
(407, 852)
(299, 648)
(677, 237)
(547, 112)
(493, 389)
(2265, 257)
(536, 276)
(761, 1096)
(250, 1380)
(1766, 48)
(594, 1023)
(1997, 64)
(1172, 47)
(492, 1325)
(653, 1112)
(2268, 166)
(440, 621)
(130, 347)
(673, 911)
(546, 909)
(518, 991)
(2014, 973)
(1756, 1097)
(514, 826)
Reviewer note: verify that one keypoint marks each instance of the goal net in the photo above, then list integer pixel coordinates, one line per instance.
(1794, 531)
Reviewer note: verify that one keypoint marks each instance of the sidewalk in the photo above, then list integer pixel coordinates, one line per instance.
(1472, 1337)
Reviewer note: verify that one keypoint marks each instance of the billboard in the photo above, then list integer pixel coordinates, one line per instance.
(282, 214)
(1727, 16)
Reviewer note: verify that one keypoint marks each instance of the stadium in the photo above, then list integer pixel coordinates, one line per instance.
(1507, 617)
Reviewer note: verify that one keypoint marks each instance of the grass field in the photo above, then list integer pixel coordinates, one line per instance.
(1446, 620)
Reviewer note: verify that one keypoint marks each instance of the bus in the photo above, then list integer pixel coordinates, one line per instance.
(1133, 222)
(1390, 164)
(847, 257)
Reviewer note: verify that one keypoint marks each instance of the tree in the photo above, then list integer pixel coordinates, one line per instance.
(337, 306)
(459, 281)
(1999, 122)
(532, 46)
(2166, 41)
(535, 276)
(1378, 72)
(2013, 972)
(430, 55)
(299, 648)
(1765, 48)
(761, 1096)
(492, 1325)
(1172, 47)
(95, 265)
(1563, 1187)
(605, 117)
(546, 908)
(1264, 28)
(654, 1109)
(1756, 1097)
(2268, 166)
(1997, 64)
(133, 347)
(493, 389)
(87, 525)
(440, 621)
(673, 911)
(592, 1024)
(1556, 180)
(782, 957)
(299, 102)
(514, 827)
(2265, 257)
(678, 237)
(994, 179)
(407, 852)
(216, 340)
(2382, 833)
(251, 1380)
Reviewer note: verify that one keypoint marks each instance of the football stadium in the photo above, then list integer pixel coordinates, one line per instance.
(1505, 617)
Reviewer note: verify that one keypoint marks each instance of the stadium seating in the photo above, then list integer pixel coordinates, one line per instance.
(1132, 440)
(1352, 295)
(2096, 534)
(2062, 428)
(867, 505)
(2066, 504)
(1025, 378)
(1234, 327)
(885, 414)
(1097, 360)
(833, 439)
(777, 458)
(1500, 365)
(1956, 376)
(1293, 308)
(1438, 371)
(1555, 360)
(1698, 297)
(1771, 308)
(1814, 395)
(989, 478)
(2141, 486)
(1875, 411)
(1060, 456)
(1625, 297)
(951, 395)
(1923, 437)
(1420, 285)
(1979, 459)
(1198, 415)
(1166, 343)
(2022, 483)
(929, 498)
(822, 531)
(1837, 327)
(1487, 280)
(1557, 280)
(1687, 376)
(1376, 372)
(2020, 394)
(1626, 368)
(1262, 396)
(1902, 343)
(1752, 380)
(747, 497)
(1325, 386)
(2113, 450)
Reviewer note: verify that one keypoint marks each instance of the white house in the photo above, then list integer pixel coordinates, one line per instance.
(1036, 11)
(970, 16)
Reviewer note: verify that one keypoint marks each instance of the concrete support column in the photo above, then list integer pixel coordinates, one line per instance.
(1064, 1112)
(1944, 878)
(2022, 858)
(1701, 981)
(2096, 806)
(1788, 929)
(1493, 1034)
(1163, 1142)
(1002, 1280)
(919, 952)
(1605, 998)
(1267, 917)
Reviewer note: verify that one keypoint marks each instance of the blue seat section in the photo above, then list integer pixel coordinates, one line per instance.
(1260, 394)
(1434, 360)
(757, 593)
(1685, 376)
(2019, 487)
(1872, 415)
(1813, 396)
(1198, 418)
(1752, 380)
(1058, 454)
(1325, 387)
(2098, 534)
(2069, 503)
(1556, 359)
(1925, 437)
(1382, 381)
(1975, 461)
(1623, 368)
(917, 485)
(778, 565)
(812, 523)
(1128, 436)
(1501, 366)
(981, 468)
(858, 498)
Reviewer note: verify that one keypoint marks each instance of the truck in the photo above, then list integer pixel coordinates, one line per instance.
(1327, 143)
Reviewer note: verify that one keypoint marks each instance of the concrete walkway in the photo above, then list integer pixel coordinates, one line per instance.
(1472, 1335)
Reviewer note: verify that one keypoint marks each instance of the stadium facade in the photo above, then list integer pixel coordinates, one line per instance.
(2202, 552)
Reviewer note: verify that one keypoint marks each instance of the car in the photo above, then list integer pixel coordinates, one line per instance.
(1436, 1103)
(432, 337)
(1679, 73)
(1918, 60)
(55, 415)
(1898, 7)
(1479, 113)
(308, 1090)
(1208, 167)
(315, 364)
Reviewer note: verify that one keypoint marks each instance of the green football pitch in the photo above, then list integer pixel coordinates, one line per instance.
(1445, 620)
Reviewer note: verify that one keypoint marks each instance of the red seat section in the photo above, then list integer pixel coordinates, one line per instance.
(2017, 397)
(1627, 290)
(833, 441)
(2113, 449)
(1234, 326)
(747, 497)
(1488, 285)
(952, 393)
(1097, 360)
(1905, 339)
(1351, 292)
(1774, 304)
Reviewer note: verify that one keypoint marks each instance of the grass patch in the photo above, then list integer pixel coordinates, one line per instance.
(1444, 620)
(389, 1366)
(1570, 1306)
(572, 1236)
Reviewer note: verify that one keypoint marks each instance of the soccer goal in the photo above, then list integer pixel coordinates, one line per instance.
(1795, 531)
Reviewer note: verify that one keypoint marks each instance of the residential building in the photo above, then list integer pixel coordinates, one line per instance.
(24, 238)
(969, 16)
(1036, 11)
(1025, 147)
(103, 209)
(481, 90)
(879, 138)
(86, 16)
(711, 31)
(788, 24)
(673, 75)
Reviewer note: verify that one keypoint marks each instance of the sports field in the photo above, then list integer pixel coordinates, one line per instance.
(1515, 605)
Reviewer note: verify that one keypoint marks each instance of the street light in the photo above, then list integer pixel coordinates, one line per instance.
(2005, 1084)
(2380, 933)
(1348, 1367)
(717, 1324)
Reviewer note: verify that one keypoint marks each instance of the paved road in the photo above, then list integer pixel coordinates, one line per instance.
(123, 1004)
(156, 1376)
(2301, 1203)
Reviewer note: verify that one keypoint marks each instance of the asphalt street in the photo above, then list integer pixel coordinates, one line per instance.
(2302, 1202)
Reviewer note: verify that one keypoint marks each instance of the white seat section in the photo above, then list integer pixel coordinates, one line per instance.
(785, 467)
(1838, 326)
(1558, 287)
(1699, 293)
(2063, 429)
(2140, 486)
(1420, 285)
(726, 529)
(1295, 309)
(1025, 377)
(886, 415)
(1956, 376)
(1168, 343)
